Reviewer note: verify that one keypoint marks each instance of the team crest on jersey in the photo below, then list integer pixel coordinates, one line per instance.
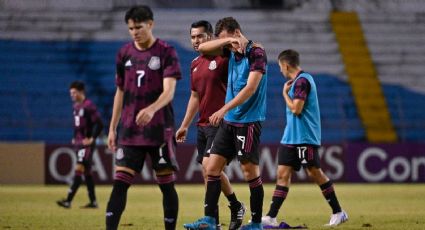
(81, 112)
(120, 154)
(213, 65)
(154, 63)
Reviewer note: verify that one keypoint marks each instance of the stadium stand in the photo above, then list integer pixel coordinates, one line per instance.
(42, 51)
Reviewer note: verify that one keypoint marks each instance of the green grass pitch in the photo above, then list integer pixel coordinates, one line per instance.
(369, 206)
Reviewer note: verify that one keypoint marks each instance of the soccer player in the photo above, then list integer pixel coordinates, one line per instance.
(301, 139)
(147, 70)
(87, 127)
(208, 91)
(244, 110)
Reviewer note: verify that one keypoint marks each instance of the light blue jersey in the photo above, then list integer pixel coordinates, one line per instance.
(254, 108)
(304, 128)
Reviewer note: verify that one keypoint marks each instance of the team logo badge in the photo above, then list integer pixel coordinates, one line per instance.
(120, 154)
(154, 63)
(81, 112)
(213, 65)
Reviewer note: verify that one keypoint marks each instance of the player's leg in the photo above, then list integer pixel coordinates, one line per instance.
(128, 161)
(76, 182)
(164, 163)
(338, 216)
(237, 208)
(247, 141)
(89, 179)
(223, 143)
(287, 163)
(252, 176)
(315, 172)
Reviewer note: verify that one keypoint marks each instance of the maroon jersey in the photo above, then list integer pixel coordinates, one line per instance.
(140, 74)
(209, 80)
(87, 121)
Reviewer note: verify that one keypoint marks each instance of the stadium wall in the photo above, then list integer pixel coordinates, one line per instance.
(351, 162)
(38, 163)
(22, 163)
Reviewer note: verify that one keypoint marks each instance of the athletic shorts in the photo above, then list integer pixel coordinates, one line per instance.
(238, 139)
(299, 155)
(133, 157)
(205, 138)
(85, 155)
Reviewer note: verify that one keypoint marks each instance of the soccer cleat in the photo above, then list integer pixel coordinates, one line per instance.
(252, 226)
(338, 218)
(269, 222)
(64, 203)
(218, 227)
(90, 205)
(205, 223)
(237, 214)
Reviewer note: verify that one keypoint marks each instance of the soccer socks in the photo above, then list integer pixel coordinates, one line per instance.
(170, 200)
(256, 199)
(330, 196)
(232, 199)
(90, 187)
(118, 199)
(279, 195)
(74, 187)
(212, 195)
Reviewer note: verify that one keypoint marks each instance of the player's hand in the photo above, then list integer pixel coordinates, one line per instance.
(87, 141)
(144, 116)
(235, 44)
(287, 86)
(217, 117)
(111, 141)
(181, 135)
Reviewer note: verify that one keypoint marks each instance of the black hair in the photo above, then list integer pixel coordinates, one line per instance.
(203, 23)
(78, 85)
(291, 57)
(228, 23)
(140, 13)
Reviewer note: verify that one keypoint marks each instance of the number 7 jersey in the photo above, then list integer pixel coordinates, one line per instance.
(140, 75)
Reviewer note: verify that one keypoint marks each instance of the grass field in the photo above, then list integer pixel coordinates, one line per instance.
(369, 206)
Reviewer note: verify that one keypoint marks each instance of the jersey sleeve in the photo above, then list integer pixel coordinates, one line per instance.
(120, 70)
(171, 64)
(192, 67)
(96, 120)
(257, 60)
(301, 88)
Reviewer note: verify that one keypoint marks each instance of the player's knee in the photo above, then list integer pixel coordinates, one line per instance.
(316, 173)
(123, 177)
(165, 178)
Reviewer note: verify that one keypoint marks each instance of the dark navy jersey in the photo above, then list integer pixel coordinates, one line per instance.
(140, 75)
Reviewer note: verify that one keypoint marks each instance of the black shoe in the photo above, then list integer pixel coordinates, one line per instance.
(237, 213)
(64, 203)
(90, 205)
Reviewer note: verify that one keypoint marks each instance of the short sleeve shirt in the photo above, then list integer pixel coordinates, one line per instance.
(209, 80)
(140, 74)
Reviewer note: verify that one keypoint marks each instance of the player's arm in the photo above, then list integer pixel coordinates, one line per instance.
(215, 47)
(97, 128)
(296, 105)
(116, 114)
(145, 115)
(192, 109)
(254, 79)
